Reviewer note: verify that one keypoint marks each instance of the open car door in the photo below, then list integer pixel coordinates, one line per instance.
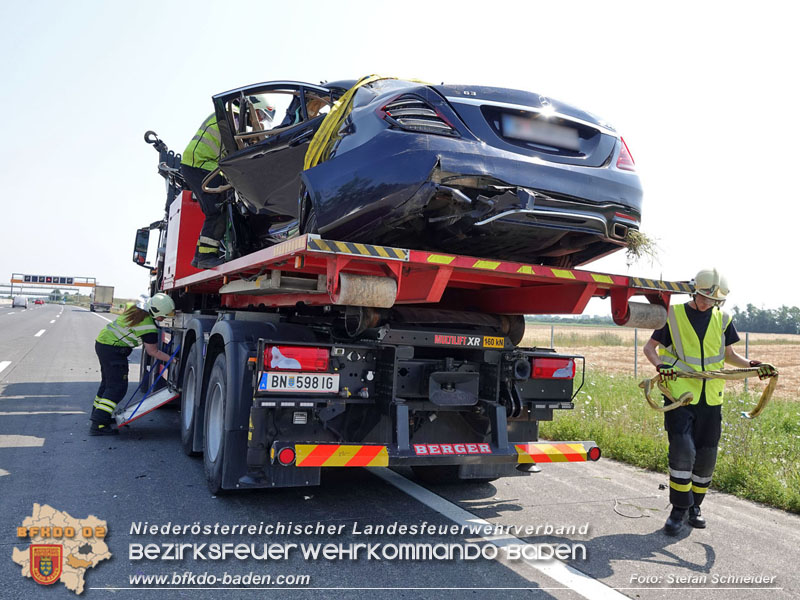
(266, 129)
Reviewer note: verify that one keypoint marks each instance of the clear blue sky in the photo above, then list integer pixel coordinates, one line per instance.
(704, 94)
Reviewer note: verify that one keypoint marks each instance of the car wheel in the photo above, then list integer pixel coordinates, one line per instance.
(191, 377)
(214, 425)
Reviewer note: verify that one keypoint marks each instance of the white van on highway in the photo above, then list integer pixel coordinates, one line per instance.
(19, 302)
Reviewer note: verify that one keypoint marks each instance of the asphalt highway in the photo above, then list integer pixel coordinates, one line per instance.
(48, 378)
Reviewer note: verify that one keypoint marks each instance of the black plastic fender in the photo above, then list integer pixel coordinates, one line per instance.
(239, 340)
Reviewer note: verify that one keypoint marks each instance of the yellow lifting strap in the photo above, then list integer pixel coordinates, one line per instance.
(332, 122)
(687, 397)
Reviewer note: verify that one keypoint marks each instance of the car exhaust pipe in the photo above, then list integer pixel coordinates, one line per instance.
(619, 231)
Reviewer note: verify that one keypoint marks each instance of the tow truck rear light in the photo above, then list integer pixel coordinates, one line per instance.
(286, 456)
(625, 160)
(296, 358)
(594, 453)
(553, 368)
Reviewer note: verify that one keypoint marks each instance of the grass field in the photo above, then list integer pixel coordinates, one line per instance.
(611, 350)
(759, 459)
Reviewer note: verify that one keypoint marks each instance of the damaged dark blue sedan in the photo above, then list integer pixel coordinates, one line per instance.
(473, 170)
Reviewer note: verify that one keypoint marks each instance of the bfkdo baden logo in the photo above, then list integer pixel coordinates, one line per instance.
(62, 547)
(46, 562)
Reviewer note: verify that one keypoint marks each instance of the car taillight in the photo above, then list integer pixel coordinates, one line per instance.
(296, 358)
(553, 368)
(414, 114)
(625, 160)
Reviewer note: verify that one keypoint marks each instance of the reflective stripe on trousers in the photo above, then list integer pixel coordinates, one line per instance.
(694, 433)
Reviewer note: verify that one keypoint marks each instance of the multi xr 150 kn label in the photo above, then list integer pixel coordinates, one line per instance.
(472, 341)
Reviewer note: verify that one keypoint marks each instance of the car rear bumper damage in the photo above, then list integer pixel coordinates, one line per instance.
(500, 204)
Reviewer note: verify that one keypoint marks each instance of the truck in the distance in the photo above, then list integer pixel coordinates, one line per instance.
(319, 353)
(102, 298)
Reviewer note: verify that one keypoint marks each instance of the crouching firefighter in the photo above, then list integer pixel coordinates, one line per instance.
(698, 336)
(113, 346)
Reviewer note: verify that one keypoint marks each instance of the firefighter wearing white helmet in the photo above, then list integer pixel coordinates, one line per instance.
(137, 325)
(710, 284)
(160, 305)
(698, 336)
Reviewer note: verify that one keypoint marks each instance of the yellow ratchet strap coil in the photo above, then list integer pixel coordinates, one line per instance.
(728, 374)
(332, 122)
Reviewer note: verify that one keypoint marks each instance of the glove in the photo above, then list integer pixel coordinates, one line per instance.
(667, 372)
(764, 371)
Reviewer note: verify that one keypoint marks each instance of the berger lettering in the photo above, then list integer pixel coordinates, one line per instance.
(447, 449)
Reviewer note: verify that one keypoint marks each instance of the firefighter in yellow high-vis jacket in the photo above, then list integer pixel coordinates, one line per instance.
(698, 336)
(137, 325)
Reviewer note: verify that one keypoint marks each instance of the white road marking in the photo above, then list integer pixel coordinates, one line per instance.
(4, 472)
(11, 313)
(102, 317)
(30, 396)
(581, 583)
(41, 331)
(43, 412)
(4, 364)
(20, 441)
(53, 321)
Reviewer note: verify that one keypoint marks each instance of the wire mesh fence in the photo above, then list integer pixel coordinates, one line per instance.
(619, 349)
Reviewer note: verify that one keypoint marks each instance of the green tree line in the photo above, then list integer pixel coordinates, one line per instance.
(753, 319)
(767, 320)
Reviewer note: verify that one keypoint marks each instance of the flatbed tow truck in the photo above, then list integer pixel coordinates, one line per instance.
(319, 353)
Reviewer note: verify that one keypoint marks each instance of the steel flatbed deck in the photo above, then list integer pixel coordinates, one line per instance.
(310, 269)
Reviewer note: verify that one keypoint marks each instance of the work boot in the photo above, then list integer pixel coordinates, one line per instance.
(695, 518)
(207, 261)
(675, 522)
(102, 429)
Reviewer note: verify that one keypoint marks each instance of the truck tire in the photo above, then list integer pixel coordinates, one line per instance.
(189, 386)
(214, 425)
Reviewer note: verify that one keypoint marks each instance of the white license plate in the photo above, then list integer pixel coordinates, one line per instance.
(540, 132)
(313, 383)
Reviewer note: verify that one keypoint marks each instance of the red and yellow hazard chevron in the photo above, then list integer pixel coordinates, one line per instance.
(341, 455)
(540, 452)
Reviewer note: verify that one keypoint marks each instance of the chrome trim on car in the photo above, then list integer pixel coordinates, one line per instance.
(310, 86)
(548, 112)
(544, 213)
